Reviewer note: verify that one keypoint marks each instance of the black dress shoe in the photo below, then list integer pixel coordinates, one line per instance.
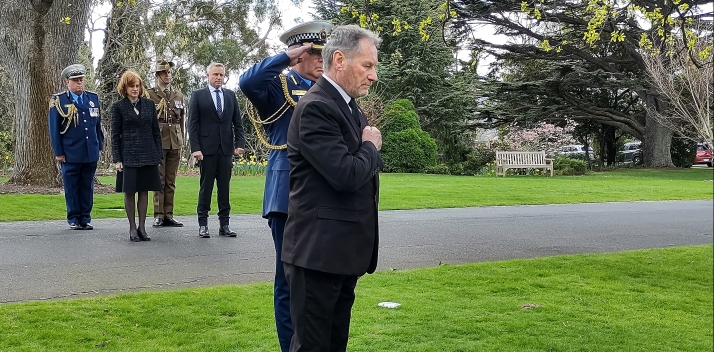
(225, 230)
(172, 222)
(134, 237)
(158, 222)
(142, 235)
(87, 226)
(203, 232)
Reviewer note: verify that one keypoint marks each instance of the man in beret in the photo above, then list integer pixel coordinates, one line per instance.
(77, 138)
(170, 111)
(274, 96)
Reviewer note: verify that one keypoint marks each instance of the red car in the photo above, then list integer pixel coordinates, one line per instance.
(704, 155)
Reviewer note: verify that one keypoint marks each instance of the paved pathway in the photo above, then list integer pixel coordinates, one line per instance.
(45, 260)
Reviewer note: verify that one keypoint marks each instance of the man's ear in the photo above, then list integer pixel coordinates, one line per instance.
(338, 60)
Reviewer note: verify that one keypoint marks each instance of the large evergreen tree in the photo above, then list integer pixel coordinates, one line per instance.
(588, 46)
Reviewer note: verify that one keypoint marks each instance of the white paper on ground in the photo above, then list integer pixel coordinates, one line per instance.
(389, 304)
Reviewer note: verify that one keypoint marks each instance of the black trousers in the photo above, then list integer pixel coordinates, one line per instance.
(320, 309)
(216, 168)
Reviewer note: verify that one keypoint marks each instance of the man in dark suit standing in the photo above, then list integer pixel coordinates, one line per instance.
(215, 134)
(331, 235)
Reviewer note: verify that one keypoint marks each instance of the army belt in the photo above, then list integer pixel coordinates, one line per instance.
(170, 120)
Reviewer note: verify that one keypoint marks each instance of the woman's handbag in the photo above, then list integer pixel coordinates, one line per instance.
(119, 181)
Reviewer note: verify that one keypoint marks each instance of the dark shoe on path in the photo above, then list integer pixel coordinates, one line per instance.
(225, 230)
(172, 223)
(75, 227)
(158, 222)
(134, 237)
(203, 232)
(87, 226)
(142, 235)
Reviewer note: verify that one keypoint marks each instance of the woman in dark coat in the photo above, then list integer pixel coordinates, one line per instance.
(136, 149)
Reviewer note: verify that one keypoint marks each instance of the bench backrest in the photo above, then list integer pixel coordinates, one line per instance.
(520, 158)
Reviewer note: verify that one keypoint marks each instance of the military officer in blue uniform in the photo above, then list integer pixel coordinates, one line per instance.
(274, 96)
(77, 138)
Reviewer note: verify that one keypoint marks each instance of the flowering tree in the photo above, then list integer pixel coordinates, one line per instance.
(543, 136)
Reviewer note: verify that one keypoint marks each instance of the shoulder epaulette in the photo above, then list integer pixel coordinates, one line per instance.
(90, 92)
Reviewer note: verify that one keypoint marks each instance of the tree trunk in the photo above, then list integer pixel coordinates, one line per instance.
(657, 138)
(610, 144)
(41, 37)
(656, 145)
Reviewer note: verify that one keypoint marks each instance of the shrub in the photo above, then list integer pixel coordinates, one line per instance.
(569, 167)
(683, 152)
(410, 150)
(439, 169)
(6, 151)
(405, 147)
(399, 116)
(476, 160)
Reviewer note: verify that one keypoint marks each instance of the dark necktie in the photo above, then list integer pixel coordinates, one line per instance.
(79, 100)
(355, 111)
(219, 106)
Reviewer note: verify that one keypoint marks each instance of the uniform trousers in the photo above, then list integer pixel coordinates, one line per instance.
(164, 198)
(78, 179)
(281, 290)
(321, 308)
(216, 168)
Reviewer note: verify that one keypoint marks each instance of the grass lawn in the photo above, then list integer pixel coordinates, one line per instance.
(646, 300)
(415, 191)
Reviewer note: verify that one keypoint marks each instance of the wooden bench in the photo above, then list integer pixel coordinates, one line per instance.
(520, 160)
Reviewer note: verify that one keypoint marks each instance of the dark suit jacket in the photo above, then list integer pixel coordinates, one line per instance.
(136, 139)
(206, 130)
(334, 187)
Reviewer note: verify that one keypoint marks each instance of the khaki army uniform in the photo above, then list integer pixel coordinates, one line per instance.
(170, 110)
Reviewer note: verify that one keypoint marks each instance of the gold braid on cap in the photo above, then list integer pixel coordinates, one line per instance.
(258, 122)
(70, 116)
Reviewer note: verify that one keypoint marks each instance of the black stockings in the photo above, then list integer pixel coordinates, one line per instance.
(142, 203)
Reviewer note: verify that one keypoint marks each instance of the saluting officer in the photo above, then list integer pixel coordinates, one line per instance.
(170, 111)
(77, 138)
(274, 96)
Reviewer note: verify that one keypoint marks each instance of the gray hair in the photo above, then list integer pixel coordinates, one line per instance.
(215, 64)
(347, 40)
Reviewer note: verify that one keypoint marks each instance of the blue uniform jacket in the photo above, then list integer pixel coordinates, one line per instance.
(262, 86)
(82, 141)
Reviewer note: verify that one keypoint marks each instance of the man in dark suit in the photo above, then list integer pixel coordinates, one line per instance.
(274, 96)
(331, 235)
(216, 134)
(77, 138)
